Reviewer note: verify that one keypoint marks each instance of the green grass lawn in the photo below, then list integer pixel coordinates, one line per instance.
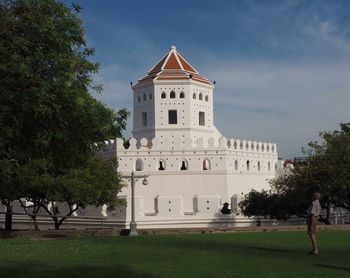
(269, 254)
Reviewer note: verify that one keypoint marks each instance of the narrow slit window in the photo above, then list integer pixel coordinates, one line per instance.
(144, 118)
(206, 164)
(236, 165)
(161, 165)
(184, 166)
(172, 117)
(202, 118)
(139, 165)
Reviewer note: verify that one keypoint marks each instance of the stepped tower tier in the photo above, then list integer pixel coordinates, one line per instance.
(174, 100)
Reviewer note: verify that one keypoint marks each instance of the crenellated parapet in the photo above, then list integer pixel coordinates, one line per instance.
(179, 143)
(169, 155)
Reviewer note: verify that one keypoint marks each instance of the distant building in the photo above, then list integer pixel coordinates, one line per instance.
(300, 159)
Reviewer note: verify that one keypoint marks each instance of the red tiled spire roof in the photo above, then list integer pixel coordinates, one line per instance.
(173, 67)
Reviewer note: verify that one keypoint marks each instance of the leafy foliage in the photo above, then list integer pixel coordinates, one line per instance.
(327, 170)
(49, 122)
(93, 184)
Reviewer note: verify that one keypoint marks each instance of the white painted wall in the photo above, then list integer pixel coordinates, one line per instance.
(187, 109)
(220, 182)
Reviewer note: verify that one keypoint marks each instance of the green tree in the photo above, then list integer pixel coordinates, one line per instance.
(330, 160)
(267, 204)
(327, 169)
(256, 204)
(93, 184)
(49, 122)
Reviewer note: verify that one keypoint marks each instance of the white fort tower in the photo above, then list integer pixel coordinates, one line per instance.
(182, 105)
(193, 170)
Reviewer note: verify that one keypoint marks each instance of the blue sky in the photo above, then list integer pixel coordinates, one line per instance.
(282, 67)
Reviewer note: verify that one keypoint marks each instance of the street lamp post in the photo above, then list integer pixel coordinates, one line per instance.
(133, 179)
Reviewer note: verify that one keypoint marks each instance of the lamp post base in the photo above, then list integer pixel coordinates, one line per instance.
(133, 229)
(133, 233)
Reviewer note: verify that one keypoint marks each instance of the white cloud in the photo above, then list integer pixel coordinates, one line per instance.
(263, 97)
(282, 102)
(326, 31)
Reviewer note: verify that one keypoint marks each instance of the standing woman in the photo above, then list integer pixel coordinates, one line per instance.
(312, 215)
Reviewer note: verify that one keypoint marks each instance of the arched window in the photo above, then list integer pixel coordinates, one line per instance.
(194, 96)
(139, 165)
(206, 164)
(161, 165)
(248, 165)
(182, 95)
(269, 166)
(139, 99)
(259, 166)
(236, 165)
(183, 165)
(163, 95)
(144, 97)
(172, 94)
(206, 98)
(200, 96)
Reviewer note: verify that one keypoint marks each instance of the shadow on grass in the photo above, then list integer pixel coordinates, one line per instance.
(267, 249)
(214, 246)
(249, 249)
(347, 269)
(36, 270)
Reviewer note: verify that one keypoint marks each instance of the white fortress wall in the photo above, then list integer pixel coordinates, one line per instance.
(233, 167)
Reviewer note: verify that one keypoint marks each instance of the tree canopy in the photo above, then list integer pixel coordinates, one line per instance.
(49, 120)
(326, 169)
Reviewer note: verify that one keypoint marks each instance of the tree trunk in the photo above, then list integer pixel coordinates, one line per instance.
(57, 223)
(8, 217)
(35, 222)
(34, 217)
(327, 221)
(34, 213)
(63, 218)
(55, 212)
